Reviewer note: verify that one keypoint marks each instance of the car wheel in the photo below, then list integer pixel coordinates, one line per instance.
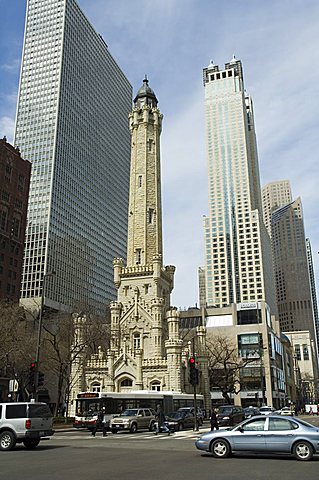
(133, 428)
(180, 426)
(220, 448)
(7, 440)
(31, 443)
(303, 451)
(113, 430)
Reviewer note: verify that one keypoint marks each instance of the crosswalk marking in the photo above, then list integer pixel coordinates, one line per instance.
(181, 435)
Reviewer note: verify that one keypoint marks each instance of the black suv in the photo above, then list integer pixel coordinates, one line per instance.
(229, 415)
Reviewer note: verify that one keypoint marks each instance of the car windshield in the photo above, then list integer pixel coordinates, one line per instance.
(175, 415)
(129, 413)
(266, 409)
(224, 410)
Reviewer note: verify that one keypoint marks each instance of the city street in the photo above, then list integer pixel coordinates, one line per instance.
(142, 456)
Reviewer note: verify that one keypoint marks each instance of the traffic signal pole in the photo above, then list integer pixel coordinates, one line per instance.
(196, 427)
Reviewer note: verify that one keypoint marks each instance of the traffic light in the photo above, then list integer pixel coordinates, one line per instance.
(192, 362)
(32, 371)
(40, 379)
(193, 371)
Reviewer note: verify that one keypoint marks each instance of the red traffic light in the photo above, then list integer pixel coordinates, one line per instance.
(33, 365)
(192, 362)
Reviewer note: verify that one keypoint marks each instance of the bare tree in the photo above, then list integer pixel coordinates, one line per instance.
(17, 346)
(225, 366)
(63, 347)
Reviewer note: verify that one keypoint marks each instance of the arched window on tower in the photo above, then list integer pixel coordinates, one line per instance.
(138, 256)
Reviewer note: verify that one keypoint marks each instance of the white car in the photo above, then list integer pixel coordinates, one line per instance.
(266, 410)
(286, 411)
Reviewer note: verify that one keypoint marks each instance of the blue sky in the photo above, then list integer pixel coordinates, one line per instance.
(172, 41)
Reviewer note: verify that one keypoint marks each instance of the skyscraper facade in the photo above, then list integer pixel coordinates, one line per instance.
(313, 289)
(238, 253)
(274, 195)
(295, 309)
(71, 124)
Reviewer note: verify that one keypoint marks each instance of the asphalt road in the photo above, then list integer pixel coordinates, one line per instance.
(142, 456)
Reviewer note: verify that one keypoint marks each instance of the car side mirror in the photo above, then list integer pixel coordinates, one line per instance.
(240, 429)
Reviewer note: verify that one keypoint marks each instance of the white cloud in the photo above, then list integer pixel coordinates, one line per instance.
(7, 128)
(14, 66)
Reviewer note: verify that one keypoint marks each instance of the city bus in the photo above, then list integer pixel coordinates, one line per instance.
(88, 404)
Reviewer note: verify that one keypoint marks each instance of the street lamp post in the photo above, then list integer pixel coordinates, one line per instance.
(37, 355)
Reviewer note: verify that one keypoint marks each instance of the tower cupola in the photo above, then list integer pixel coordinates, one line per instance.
(145, 96)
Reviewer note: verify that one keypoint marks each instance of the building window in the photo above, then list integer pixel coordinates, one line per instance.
(140, 180)
(156, 386)
(96, 387)
(298, 352)
(137, 341)
(3, 218)
(126, 383)
(151, 215)
(305, 352)
(138, 256)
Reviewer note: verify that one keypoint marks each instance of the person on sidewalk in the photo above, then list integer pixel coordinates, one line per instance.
(213, 421)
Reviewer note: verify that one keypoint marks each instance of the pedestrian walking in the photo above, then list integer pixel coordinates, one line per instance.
(213, 421)
(160, 417)
(101, 422)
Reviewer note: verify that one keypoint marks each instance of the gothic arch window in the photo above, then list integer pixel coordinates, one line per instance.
(138, 256)
(156, 385)
(151, 213)
(95, 387)
(127, 382)
(136, 341)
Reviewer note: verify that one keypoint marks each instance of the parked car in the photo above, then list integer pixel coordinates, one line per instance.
(286, 411)
(229, 415)
(24, 422)
(264, 434)
(266, 410)
(133, 419)
(200, 413)
(251, 412)
(180, 420)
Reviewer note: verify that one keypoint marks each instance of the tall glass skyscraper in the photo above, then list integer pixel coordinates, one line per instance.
(238, 254)
(72, 124)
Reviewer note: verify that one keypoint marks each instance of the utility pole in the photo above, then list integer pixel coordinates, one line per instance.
(194, 380)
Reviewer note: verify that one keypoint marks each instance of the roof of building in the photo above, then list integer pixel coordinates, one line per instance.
(145, 95)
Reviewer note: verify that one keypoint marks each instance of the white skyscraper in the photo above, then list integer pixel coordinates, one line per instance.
(71, 124)
(238, 254)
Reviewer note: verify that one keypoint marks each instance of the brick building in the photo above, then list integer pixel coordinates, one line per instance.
(14, 191)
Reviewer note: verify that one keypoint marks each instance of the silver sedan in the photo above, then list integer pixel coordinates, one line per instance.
(260, 434)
